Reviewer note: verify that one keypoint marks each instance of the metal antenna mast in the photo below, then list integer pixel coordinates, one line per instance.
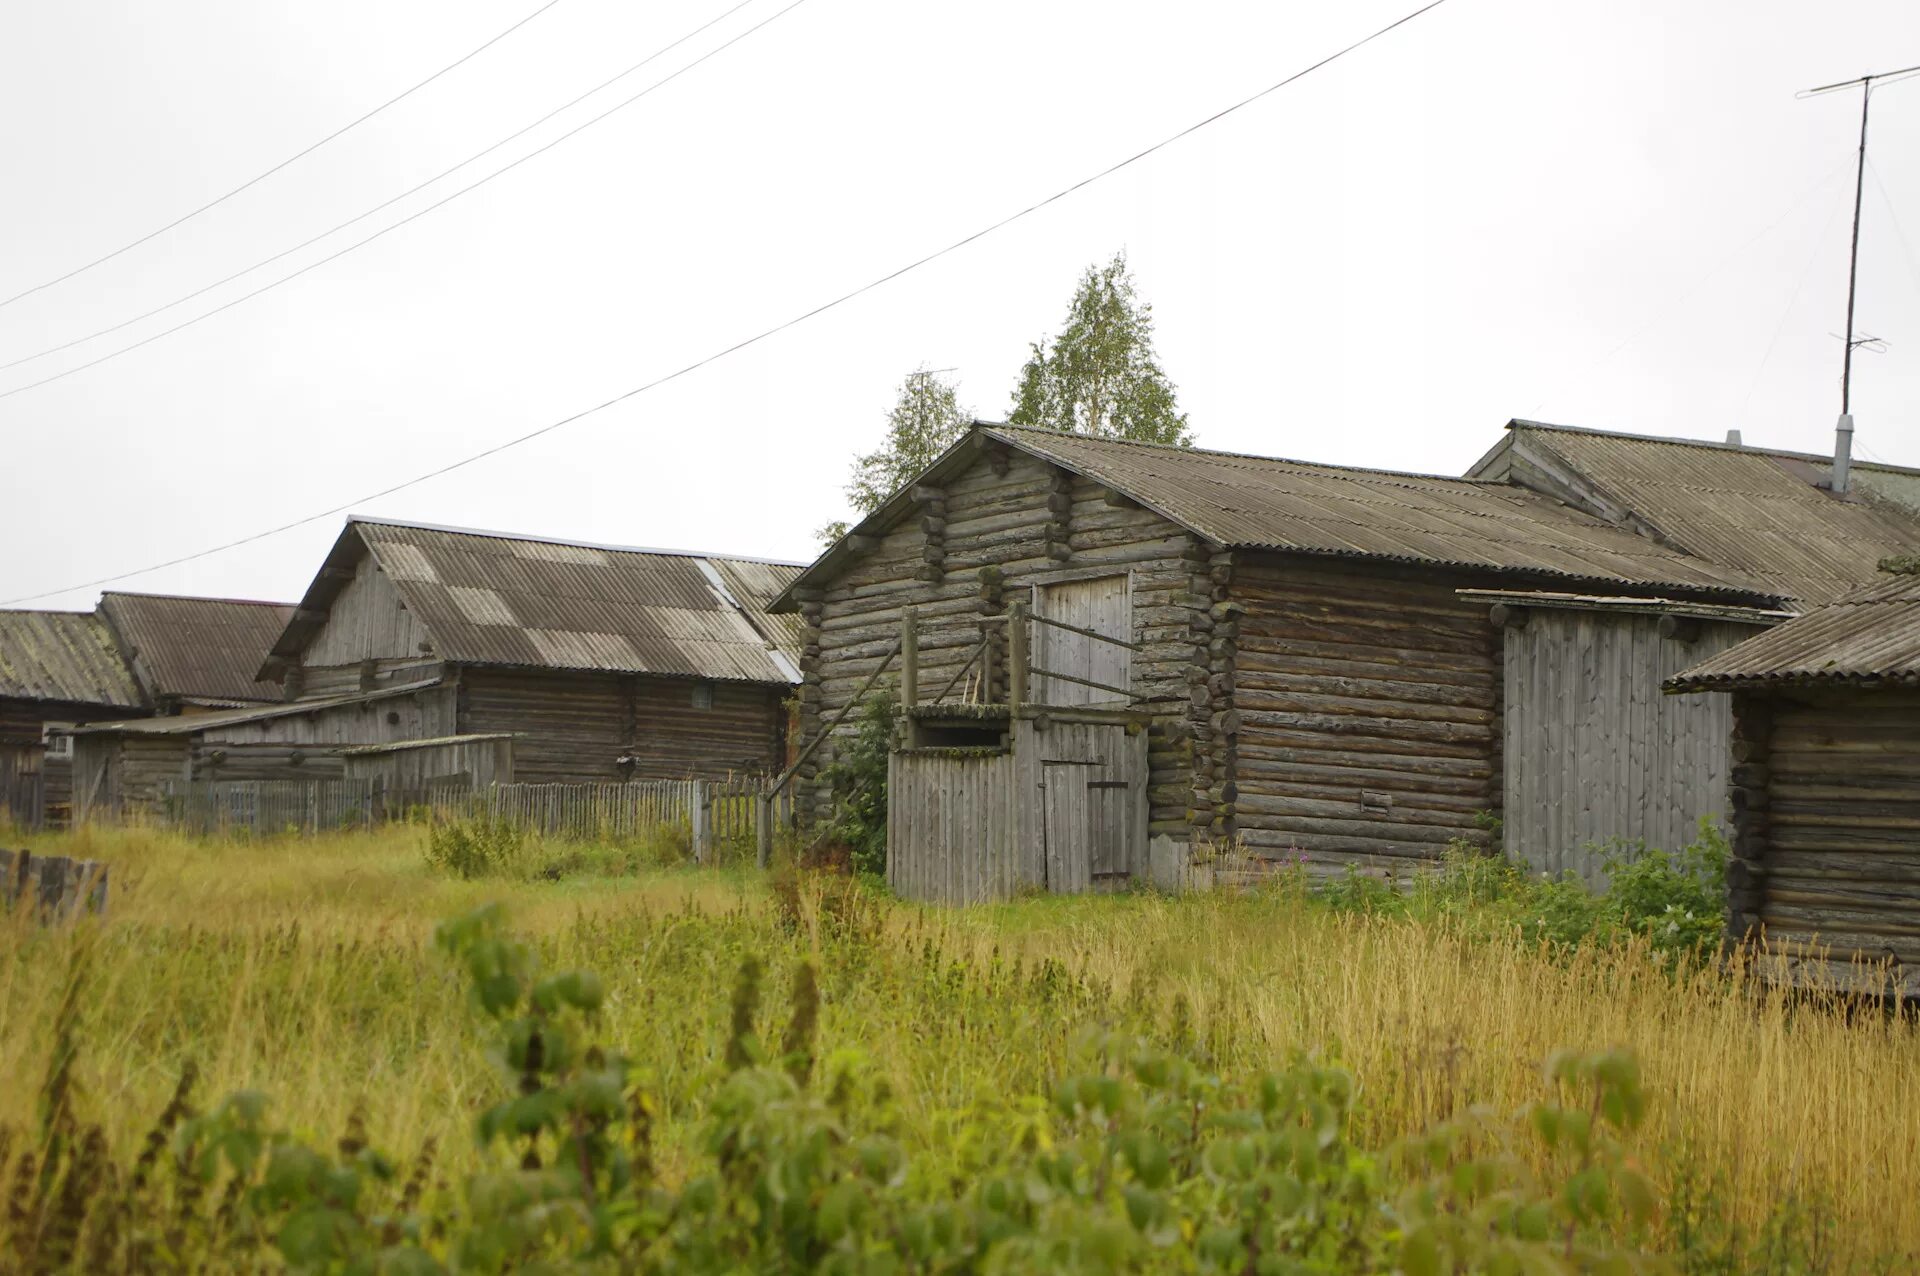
(1843, 432)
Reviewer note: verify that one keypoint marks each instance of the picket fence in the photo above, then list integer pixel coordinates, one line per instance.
(714, 813)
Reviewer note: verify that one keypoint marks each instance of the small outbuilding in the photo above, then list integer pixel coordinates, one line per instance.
(1825, 785)
(57, 668)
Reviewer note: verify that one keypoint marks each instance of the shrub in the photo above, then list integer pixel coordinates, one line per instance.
(477, 847)
(858, 780)
(1678, 901)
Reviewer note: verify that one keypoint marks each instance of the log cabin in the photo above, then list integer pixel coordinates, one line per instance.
(1311, 682)
(1825, 787)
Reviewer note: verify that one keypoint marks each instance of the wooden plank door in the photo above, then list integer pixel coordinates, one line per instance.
(1088, 806)
(1104, 605)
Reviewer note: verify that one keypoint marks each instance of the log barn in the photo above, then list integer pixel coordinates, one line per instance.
(1825, 775)
(1309, 679)
(604, 663)
(56, 668)
(1595, 755)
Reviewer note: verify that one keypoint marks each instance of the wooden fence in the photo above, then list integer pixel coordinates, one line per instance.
(56, 886)
(715, 814)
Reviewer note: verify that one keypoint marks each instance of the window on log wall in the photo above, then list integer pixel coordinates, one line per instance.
(1103, 605)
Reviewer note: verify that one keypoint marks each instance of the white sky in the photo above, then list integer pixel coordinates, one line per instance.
(1606, 214)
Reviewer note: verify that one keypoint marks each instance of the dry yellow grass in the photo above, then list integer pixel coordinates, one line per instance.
(304, 968)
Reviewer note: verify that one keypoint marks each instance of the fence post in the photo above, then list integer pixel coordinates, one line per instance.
(1017, 657)
(763, 828)
(701, 835)
(909, 658)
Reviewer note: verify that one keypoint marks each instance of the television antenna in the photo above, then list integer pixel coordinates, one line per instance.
(1843, 439)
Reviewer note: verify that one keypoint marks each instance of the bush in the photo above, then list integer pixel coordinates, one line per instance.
(858, 780)
(1678, 901)
(478, 847)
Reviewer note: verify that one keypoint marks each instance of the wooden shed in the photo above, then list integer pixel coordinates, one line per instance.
(604, 663)
(1594, 753)
(1597, 758)
(1825, 772)
(57, 668)
(1309, 678)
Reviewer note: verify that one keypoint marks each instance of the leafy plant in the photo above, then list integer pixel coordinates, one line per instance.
(476, 847)
(858, 780)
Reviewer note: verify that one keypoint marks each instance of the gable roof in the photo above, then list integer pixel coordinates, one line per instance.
(1755, 511)
(1870, 636)
(64, 656)
(496, 598)
(201, 649)
(1263, 502)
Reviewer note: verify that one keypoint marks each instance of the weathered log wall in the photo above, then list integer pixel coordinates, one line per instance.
(1368, 704)
(1595, 753)
(1003, 524)
(1826, 801)
(574, 727)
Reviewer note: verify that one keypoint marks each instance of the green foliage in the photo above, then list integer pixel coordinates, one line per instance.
(858, 779)
(476, 847)
(1675, 901)
(925, 421)
(1101, 376)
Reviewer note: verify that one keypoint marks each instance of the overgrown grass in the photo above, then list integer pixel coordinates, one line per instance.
(1784, 1132)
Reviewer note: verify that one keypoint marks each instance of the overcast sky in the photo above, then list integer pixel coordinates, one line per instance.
(1605, 214)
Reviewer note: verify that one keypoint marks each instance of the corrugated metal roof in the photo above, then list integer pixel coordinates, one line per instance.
(492, 598)
(205, 649)
(1754, 511)
(65, 656)
(1871, 635)
(1267, 503)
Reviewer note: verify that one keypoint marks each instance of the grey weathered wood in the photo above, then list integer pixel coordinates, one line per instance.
(909, 657)
(54, 887)
(1594, 753)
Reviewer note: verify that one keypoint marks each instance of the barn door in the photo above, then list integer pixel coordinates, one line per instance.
(1103, 605)
(1087, 807)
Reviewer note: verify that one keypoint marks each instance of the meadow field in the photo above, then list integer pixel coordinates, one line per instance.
(1775, 1133)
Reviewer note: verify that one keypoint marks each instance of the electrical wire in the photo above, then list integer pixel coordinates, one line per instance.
(757, 338)
(410, 217)
(411, 190)
(297, 155)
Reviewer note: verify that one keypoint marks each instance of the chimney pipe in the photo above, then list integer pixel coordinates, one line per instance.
(1842, 453)
(1733, 438)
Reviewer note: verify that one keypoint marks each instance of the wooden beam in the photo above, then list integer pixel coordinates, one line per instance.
(1507, 616)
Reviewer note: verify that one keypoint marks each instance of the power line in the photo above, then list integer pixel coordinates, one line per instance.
(297, 155)
(411, 190)
(758, 337)
(410, 217)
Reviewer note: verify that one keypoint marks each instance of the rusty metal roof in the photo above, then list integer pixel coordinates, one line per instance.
(1870, 636)
(1263, 502)
(206, 650)
(64, 656)
(495, 598)
(1754, 511)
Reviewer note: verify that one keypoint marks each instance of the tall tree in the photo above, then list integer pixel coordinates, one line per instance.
(925, 421)
(1101, 375)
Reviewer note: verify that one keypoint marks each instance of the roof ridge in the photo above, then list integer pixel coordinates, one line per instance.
(1253, 456)
(193, 598)
(495, 534)
(1522, 423)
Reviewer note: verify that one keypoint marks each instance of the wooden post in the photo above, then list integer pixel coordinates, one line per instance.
(763, 828)
(986, 665)
(701, 835)
(909, 658)
(1017, 656)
